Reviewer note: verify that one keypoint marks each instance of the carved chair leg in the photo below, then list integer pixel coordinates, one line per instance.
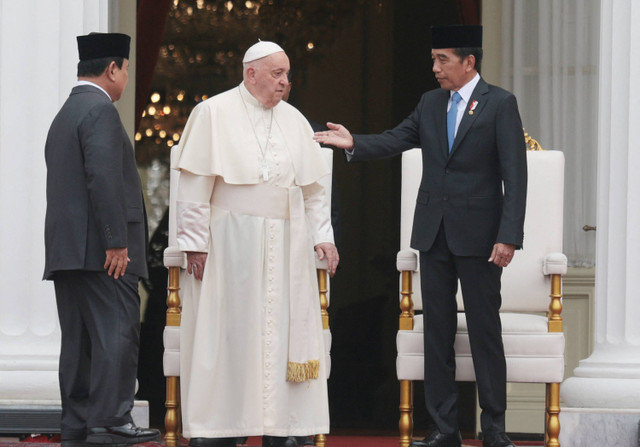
(321, 439)
(172, 416)
(553, 419)
(406, 412)
(546, 414)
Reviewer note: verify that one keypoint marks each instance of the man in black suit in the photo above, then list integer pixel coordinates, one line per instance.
(95, 232)
(472, 145)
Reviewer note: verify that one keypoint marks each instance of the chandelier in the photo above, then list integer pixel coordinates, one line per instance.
(202, 49)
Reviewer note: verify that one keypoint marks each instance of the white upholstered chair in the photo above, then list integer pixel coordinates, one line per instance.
(174, 260)
(531, 295)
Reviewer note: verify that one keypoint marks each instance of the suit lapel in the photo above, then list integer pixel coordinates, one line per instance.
(467, 119)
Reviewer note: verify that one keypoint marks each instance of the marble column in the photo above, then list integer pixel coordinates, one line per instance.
(38, 59)
(602, 400)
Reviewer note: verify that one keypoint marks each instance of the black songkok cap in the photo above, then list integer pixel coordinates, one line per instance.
(99, 45)
(456, 36)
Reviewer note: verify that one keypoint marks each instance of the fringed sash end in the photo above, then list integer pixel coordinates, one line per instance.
(301, 372)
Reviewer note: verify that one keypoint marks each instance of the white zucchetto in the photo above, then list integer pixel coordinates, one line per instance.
(260, 50)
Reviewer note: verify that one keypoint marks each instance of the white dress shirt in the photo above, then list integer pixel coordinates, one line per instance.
(465, 93)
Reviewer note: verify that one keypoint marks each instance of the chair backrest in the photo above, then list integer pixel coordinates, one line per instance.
(326, 181)
(524, 286)
(174, 176)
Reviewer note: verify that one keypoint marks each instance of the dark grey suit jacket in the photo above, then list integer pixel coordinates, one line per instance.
(94, 193)
(463, 189)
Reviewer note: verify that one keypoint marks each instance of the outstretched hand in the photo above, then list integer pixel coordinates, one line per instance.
(337, 136)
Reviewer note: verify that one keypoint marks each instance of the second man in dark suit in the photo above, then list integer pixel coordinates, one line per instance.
(95, 243)
(466, 226)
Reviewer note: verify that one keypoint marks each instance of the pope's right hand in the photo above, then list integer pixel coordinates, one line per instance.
(195, 264)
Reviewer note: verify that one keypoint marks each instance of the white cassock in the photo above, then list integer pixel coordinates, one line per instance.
(249, 196)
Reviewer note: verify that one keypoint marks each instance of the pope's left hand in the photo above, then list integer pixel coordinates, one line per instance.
(329, 251)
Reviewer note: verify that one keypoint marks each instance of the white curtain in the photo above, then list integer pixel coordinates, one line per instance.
(550, 61)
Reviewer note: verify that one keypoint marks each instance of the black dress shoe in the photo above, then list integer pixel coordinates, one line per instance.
(305, 440)
(279, 441)
(123, 434)
(212, 442)
(496, 440)
(437, 439)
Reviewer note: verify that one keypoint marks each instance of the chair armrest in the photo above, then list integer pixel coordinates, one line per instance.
(322, 268)
(555, 264)
(407, 260)
(407, 264)
(322, 264)
(173, 257)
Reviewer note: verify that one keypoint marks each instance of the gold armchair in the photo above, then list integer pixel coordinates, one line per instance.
(531, 321)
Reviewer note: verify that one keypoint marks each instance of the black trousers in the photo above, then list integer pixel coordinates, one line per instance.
(480, 282)
(100, 324)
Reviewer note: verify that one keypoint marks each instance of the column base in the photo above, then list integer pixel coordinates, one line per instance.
(601, 392)
(597, 427)
(43, 416)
